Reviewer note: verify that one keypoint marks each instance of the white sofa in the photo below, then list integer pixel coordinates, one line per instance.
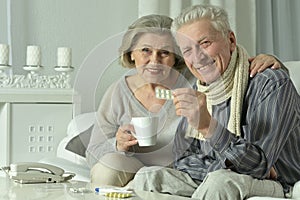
(75, 163)
(294, 69)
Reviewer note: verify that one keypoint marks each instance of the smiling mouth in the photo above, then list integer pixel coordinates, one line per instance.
(204, 67)
(153, 70)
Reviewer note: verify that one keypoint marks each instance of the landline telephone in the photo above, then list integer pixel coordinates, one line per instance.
(33, 172)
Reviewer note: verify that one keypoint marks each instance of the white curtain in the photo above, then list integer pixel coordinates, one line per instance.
(241, 15)
(278, 28)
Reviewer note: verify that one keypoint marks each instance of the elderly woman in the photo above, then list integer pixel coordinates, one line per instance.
(150, 50)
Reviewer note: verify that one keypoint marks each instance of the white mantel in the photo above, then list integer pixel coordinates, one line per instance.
(33, 121)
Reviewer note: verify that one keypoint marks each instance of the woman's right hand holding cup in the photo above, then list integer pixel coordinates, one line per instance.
(124, 137)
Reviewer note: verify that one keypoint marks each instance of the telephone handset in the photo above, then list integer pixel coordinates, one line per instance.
(33, 172)
(27, 166)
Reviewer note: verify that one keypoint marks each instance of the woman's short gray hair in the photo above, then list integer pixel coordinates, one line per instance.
(218, 17)
(158, 24)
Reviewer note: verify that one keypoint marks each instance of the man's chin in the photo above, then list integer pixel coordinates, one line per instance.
(200, 76)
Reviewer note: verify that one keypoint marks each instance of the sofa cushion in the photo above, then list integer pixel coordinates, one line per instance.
(78, 144)
(294, 71)
(73, 146)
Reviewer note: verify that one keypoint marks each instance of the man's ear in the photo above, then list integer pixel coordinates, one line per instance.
(232, 41)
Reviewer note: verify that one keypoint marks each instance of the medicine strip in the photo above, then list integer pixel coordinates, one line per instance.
(118, 195)
(114, 192)
(163, 94)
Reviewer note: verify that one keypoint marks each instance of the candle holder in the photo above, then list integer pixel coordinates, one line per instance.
(63, 68)
(64, 75)
(33, 64)
(4, 77)
(3, 67)
(32, 68)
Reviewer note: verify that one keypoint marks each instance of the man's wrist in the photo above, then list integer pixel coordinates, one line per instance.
(210, 129)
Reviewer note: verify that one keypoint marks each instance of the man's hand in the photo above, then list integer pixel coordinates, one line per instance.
(261, 62)
(272, 174)
(192, 105)
(124, 138)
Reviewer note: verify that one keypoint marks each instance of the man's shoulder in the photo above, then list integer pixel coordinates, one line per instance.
(268, 81)
(271, 75)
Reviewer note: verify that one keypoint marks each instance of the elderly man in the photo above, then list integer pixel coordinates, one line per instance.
(239, 136)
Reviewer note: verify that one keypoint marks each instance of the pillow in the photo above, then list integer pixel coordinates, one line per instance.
(78, 144)
(79, 133)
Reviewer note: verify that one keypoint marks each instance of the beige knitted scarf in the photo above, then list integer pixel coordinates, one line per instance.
(232, 84)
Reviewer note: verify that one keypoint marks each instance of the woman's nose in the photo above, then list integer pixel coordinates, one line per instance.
(155, 57)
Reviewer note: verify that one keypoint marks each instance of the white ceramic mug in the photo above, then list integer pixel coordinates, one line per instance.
(145, 130)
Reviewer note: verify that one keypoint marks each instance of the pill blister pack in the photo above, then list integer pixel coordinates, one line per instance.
(161, 93)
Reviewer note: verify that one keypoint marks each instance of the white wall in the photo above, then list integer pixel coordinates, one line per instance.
(79, 24)
(87, 26)
(3, 22)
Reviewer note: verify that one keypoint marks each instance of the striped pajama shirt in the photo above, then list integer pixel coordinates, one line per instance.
(270, 128)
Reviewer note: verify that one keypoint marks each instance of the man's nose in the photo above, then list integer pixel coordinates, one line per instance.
(199, 56)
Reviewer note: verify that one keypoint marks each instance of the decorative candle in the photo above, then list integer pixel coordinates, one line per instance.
(4, 54)
(33, 56)
(64, 56)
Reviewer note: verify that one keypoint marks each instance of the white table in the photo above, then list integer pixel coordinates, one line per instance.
(61, 191)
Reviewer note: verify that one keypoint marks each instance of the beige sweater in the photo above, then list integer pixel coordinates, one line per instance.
(117, 107)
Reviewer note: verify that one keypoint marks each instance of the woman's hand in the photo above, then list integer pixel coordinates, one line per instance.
(192, 105)
(261, 62)
(124, 138)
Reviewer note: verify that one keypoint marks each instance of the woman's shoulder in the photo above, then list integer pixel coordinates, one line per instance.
(114, 89)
